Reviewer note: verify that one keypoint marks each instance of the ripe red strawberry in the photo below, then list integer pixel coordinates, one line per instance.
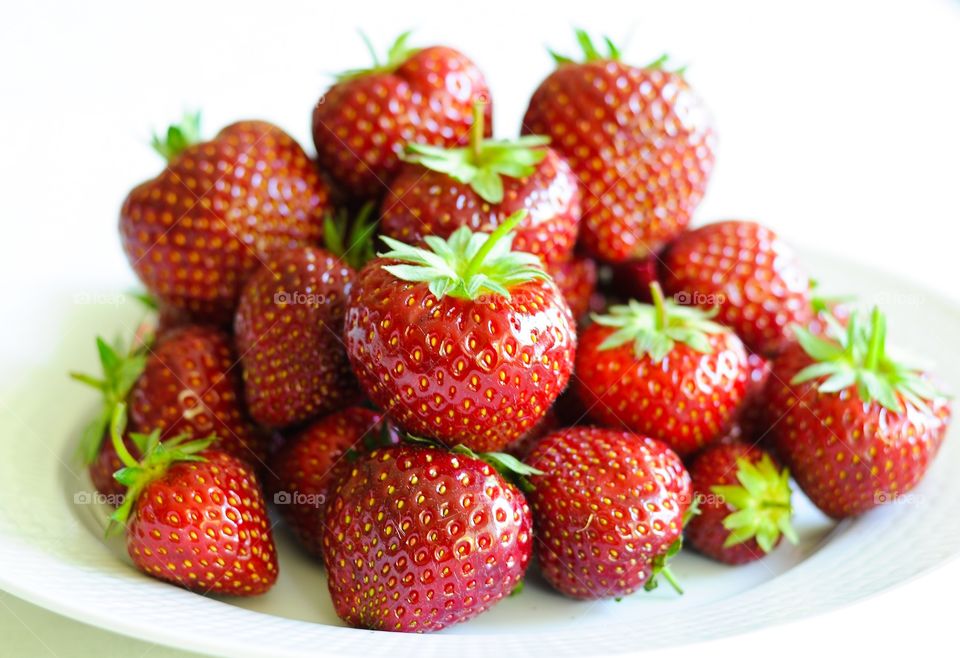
(302, 470)
(288, 329)
(577, 281)
(468, 342)
(632, 279)
(191, 385)
(743, 504)
(608, 510)
(194, 516)
(195, 232)
(362, 123)
(752, 417)
(479, 186)
(745, 270)
(638, 138)
(856, 428)
(665, 371)
(418, 539)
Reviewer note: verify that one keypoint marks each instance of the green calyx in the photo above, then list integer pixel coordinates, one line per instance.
(157, 458)
(762, 504)
(505, 464)
(660, 564)
(484, 162)
(120, 369)
(178, 137)
(613, 54)
(857, 358)
(351, 241)
(467, 264)
(654, 329)
(398, 53)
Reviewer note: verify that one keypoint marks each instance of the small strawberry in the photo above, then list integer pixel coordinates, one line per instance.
(193, 516)
(191, 385)
(195, 232)
(608, 509)
(418, 538)
(665, 371)
(479, 186)
(743, 504)
(856, 427)
(638, 138)
(362, 123)
(465, 342)
(302, 470)
(577, 281)
(288, 328)
(745, 270)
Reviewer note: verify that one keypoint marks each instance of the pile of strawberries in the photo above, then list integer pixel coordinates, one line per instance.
(394, 340)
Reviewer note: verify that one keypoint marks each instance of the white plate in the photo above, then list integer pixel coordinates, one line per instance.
(52, 554)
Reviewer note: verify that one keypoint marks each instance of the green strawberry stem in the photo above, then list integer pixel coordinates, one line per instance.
(476, 131)
(178, 137)
(672, 579)
(117, 425)
(398, 53)
(659, 306)
(466, 264)
(351, 241)
(878, 335)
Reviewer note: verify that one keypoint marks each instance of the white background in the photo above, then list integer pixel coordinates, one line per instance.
(839, 125)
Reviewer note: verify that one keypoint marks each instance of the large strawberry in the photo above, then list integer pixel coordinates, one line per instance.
(638, 138)
(743, 504)
(745, 270)
(419, 538)
(856, 427)
(301, 472)
(191, 385)
(608, 509)
(362, 123)
(288, 330)
(479, 186)
(193, 516)
(196, 231)
(464, 342)
(662, 370)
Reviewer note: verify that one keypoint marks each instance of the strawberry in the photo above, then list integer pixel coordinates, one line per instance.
(638, 138)
(193, 516)
(665, 371)
(632, 279)
(465, 342)
(190, 386)
(302, 469)
(856, 427)
(479, 186)
(743, 504)
(745, 270)
(288, 328)
(752, 415)
(195, 232)
(419, 538)
(362, 123)
(608, 510)
(577, 281)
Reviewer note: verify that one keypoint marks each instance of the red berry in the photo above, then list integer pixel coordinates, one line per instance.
(577, 281)
(608, 510)
(195, 232)
(289, 327)
(418, 539)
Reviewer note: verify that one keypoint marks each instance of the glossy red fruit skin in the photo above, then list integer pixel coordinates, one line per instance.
(288, 329)
(423, 202)
(687, 400)
(632, 279)
(195, 232)
(749, 273)
(418, 539)
(848, 456)
(480, 372)
(191, 385)
(303, 469)
(752, 417)
(204, 526)
(717, 466)
(577, 281)
(361, 125)
(641, 143)
(610, 502)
